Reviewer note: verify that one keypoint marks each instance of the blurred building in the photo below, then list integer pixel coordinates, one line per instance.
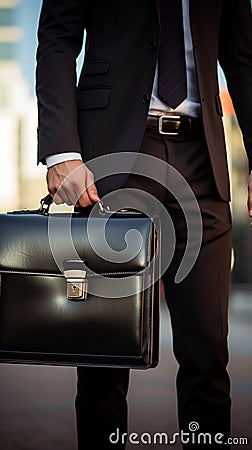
(21, 180)
(238, 169)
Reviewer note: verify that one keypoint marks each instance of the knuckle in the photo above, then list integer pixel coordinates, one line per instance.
(84, 202)
(90, 175)
(51, 188)
(57, 200)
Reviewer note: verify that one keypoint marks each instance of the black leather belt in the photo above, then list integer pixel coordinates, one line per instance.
(175, 126)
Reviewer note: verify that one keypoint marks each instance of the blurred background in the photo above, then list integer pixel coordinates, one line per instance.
(37, 403)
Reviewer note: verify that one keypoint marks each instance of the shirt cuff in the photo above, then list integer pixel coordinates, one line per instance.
(52, 160)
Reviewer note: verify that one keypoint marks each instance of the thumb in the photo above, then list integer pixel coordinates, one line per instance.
(91, 188)
(92, 193)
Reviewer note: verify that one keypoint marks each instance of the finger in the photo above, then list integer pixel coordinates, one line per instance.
(72, 195)
(84, 200)
(60, 187)
(58, 198)
(92, 193)
(63, 195)
(81, 191)
(91, 188)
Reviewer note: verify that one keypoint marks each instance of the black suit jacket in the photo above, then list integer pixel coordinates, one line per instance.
(107, 111)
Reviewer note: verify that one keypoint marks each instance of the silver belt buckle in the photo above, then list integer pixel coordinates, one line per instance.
(160, 125)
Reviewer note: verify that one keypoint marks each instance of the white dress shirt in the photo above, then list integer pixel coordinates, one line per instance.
(190, 106)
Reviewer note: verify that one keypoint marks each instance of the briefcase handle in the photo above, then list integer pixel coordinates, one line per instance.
(46, 202)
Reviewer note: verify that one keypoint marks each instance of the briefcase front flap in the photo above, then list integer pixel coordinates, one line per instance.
(41, 319)
(41, 243)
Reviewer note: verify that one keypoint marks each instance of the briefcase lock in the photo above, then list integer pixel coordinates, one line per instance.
(76, 284)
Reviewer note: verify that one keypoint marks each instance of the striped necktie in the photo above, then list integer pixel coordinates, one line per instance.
(171, 65)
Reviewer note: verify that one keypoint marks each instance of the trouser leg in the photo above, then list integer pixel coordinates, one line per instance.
(199, 306)
(198, 309)
(101, 407)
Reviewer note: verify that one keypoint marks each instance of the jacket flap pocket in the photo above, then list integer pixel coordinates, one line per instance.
(93, 98)
(96, 68)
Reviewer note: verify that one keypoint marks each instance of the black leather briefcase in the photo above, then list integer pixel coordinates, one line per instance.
(70, 294)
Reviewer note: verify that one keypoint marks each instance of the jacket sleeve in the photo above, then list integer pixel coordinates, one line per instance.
(60, 40)
(235, 56)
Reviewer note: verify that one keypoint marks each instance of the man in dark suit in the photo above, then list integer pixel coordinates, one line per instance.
(144, 89)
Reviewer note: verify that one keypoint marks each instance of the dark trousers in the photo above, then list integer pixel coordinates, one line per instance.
(198, 308)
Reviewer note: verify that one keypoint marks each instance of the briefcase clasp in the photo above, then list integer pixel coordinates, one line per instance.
(76, 284)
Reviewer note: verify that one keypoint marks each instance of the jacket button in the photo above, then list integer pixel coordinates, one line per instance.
(153, 45)
(146, 99)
